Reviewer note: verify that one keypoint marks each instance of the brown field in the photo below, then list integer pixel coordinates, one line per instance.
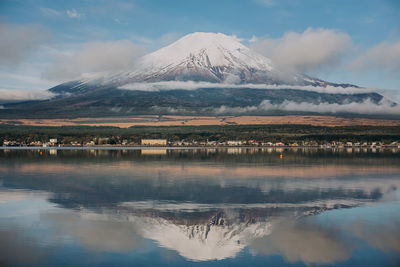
(154, 120)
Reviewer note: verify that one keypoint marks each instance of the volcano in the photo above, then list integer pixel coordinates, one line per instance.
(207, 74)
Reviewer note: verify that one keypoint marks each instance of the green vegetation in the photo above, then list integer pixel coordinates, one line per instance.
(262, 133)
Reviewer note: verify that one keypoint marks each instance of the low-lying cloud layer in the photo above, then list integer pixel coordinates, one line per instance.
(366, 107)
(191, 85)
(18, 95)
(384, 107)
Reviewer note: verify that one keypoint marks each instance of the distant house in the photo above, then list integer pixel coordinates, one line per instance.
(211, 143)
(267, 144)
(234, 143)
(103, 140)
(91, 143)
(154, 142)
(253, 142)
(177, 143)
(395, 144)
(53, 140)
(36, 143)
(75, 143)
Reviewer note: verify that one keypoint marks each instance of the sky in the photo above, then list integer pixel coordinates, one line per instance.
(46, 42)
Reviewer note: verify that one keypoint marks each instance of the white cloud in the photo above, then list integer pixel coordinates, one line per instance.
(94, 232)
(191, 85)
(73, 14)
(253, 39)
(17, 95)
(385, 106)
(307, 51)
(385, 238)
(23, 80)
(94, 57)
(234, 36)
(19, 42)
(384, 56)
(288, 239)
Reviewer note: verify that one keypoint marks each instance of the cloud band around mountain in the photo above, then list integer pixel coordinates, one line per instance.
(192, 85)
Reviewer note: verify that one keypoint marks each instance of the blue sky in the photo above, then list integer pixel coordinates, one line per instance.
(364, 34)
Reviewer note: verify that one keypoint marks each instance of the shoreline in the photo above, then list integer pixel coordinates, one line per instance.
(186, 147)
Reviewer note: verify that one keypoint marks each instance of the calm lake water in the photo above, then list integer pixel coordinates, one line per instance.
(226, 207)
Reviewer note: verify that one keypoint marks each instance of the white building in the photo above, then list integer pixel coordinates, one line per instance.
(234, 143)
(154, 142)
(53, 140)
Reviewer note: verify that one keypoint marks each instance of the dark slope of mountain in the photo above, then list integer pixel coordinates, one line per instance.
(203, 101)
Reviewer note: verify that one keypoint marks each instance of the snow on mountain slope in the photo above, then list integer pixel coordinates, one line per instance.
(215, 54)
(204, 242)
(209, 49)
(212, 57)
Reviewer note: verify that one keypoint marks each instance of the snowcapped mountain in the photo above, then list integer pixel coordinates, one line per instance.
(210, 234)
(208, 74)
(206, 57)
(212, 241)
(212, 57)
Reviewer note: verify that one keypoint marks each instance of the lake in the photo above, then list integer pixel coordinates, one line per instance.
(183, 207)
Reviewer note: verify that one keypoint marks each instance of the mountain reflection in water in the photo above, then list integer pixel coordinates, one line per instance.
(179, 207)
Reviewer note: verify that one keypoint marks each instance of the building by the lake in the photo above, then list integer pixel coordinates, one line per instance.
(154, 142)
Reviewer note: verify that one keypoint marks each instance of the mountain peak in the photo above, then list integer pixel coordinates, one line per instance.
(206, 35)
(202, 56)
(200, 40)
(216, 46)
(220, 48)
